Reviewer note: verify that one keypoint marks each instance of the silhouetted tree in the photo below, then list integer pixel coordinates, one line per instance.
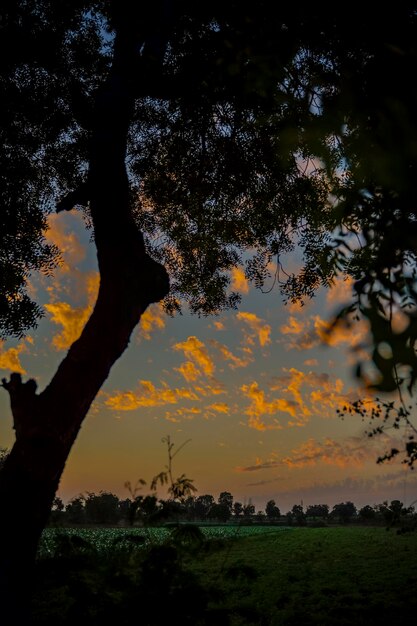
(344, 511)
(75, 510)
(318, 510)
(271, 510)
(248, 510)
(237, 509)
(102, 508)
(203, 505)
(367, 513)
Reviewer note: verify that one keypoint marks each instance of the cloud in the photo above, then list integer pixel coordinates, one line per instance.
(220, 407)
(72, 319)
(352, 333)
(227, 355)
(239, 282)
(219, 325)
(311, 362)
(196, 351)
(148, 396)
(182, 413)
(260, 407)
(153, 319)
(214, 388)
(61, 233)
(351, 452)
(9, 359)
(313, 393)
(258, 327)
(189, 371)
(260, 465)
(293, 326)
(340, 291)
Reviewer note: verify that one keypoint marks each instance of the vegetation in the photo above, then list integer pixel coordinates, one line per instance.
(298, 576)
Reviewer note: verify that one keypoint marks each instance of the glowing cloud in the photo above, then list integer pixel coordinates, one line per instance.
(189, 371)
(153, 319)
(196, 351)
(64, 237)
(9, 359)
(227, 355)
(351, 452)
(220, 407)
(239, 282)
(148, 396)
(340, 291)
(313, 393)
(258, 327)
(72, 319)
(260, 406)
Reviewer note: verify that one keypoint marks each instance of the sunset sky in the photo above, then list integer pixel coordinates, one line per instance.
(255, 390)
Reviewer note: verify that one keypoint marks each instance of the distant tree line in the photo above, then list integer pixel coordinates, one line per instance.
(106, 508)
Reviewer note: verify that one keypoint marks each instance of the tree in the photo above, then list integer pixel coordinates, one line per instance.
(237, 509)
(345, 511)
(248, 509)
(203, 505)
(318, 510)
(213, 108)
(102, 508)
(226, 501)
(271, 510)
(367, 513)
(297, 514)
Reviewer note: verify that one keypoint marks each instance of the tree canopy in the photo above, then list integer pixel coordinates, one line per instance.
(252, 132)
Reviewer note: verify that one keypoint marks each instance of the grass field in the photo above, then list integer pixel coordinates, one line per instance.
(278, 577)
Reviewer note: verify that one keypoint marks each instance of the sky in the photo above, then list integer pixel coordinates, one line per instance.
(253, 394)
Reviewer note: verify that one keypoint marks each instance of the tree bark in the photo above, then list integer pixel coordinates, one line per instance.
(46, 424)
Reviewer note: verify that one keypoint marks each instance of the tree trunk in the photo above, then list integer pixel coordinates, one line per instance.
(47, 424)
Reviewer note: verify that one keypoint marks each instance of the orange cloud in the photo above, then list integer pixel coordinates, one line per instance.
(258, 327)
(61, 234)
(313, 393)
(187, 413)
(9, 359)
(148, 396)
(350, 333)
(239, 282)
(352, 452)
(153, 319)
(219, 325)
(220, 407)
(311, 362)
(188, 371)
(227, 355)
(196, 351)
(260, 406)
(214, 388)
(340, 291)
(72, 319)
(293, 326)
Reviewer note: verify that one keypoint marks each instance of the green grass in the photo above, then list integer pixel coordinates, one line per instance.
(322, 576)
(258, 576)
